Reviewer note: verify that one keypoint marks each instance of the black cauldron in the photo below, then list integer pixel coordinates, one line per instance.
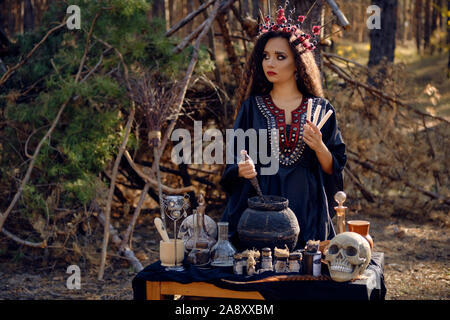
(269, 223)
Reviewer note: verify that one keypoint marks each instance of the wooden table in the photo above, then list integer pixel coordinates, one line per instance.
(160, 290)
(155, 283)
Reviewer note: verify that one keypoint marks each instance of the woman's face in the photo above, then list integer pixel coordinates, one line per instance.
(278, 61)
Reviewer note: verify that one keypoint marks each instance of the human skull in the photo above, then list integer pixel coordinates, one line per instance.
(348, 256)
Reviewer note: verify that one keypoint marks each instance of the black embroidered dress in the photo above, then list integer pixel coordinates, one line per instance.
(300, 178)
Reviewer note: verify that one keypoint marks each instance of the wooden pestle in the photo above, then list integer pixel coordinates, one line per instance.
(253, 181)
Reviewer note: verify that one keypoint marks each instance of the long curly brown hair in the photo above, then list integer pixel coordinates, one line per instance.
(254, 81)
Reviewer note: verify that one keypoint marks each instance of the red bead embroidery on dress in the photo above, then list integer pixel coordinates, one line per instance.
(287, 143)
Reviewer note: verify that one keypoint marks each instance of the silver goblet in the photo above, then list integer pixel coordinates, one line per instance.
(175, 207)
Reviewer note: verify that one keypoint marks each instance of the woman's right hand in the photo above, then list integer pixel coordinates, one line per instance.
(246, 169)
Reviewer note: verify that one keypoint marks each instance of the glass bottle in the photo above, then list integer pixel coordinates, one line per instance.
(266, 261)
(200, 254)
(223, 251)
(281, 263)
(238, 266)
(294, 262)
(199, 234)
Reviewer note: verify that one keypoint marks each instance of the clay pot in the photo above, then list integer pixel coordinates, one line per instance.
(361, 227)
(269, 223)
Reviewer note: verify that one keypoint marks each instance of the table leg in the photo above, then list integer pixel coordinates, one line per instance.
(154, 290)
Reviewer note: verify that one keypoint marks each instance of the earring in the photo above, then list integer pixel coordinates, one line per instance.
(296, 75)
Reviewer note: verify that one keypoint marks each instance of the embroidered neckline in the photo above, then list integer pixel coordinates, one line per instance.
(287, 140)
(290, 148)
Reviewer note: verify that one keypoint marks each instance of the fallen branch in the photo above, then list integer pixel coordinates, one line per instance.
(377, 92)
(366, 193)
(190, 37)
(42, 244)
(187, 77)
(368, 166)
(111, 191)
(228, 43)
(332, 55)
(136, 213)
(153, 182)
(127, 252)
(188, 18)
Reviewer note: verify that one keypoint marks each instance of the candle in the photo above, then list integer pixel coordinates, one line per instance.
(308, 111)
(322, 122)
(316, 114)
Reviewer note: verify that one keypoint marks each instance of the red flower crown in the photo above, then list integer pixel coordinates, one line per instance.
(308, 41)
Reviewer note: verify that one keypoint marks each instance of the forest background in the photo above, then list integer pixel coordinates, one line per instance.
(86, 116)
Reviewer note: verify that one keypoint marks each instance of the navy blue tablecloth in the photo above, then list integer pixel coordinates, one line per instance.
(370, 287)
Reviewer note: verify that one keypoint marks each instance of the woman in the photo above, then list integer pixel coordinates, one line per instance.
(281, 75)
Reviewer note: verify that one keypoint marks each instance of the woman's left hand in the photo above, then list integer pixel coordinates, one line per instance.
(313, 137)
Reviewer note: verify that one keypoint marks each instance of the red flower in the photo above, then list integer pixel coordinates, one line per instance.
(316, 30)
(301, 19)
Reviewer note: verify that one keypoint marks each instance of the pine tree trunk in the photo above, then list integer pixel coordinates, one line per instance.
(382, 41)
(28, 16)
(427, 26)
(406, 20)
(448, 40)
(434, 24)
(167, 14)
(418, 24)
(190, 8)
(158, 9)
(255, 9)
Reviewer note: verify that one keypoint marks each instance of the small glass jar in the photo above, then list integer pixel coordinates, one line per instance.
(317, 265)
(281, 264)
(223, 251)
(266, 260)
(199, 255)
(295, 262)
(238, 267)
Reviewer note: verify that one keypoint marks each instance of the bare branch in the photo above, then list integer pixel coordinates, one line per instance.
(42, 244)
(188, 18)
(377, 92)
(111, 192)
(153, 182)
(368, 166)
(10, 71)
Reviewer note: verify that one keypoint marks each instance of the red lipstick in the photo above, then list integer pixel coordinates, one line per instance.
(271, 73)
